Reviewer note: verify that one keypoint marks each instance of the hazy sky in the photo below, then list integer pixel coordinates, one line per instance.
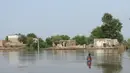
(50, 17)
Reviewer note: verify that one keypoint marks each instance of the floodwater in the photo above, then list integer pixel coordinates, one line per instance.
(64, 61)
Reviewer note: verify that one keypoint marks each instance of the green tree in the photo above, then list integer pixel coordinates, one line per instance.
(107, 18)
(56, 38)
(42, 43)
(30, 42)
(111, 28)
(6, 38)
(22, 38)
(128, 42)
(48, 42)
(90, 39)
(31, 35)
(97, 33)
(65, 37)
(80, 40)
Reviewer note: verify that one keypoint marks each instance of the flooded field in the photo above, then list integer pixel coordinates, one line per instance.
(64, 61)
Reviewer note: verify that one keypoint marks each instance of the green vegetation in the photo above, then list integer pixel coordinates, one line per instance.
(80, 40)
(128, 43)
(110, 28)
(50, 40)
(6, 38)
(31, 44)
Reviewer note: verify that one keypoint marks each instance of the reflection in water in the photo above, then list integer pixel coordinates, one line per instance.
(27, 57)
(128, 52)
(65, 55)
(108, 62)
(13, 57)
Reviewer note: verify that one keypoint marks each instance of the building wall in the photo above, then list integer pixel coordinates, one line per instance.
(2, 43)
(108, 42)
(65, 43)
(13, 38)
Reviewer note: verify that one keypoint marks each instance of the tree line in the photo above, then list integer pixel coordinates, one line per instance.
(110, 28)
(28, 40)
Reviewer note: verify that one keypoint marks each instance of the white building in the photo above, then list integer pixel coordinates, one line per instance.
(13, 38)
(105, 42)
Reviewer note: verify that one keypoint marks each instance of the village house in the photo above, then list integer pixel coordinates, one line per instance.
(65, 43)
(105, 42)
(13, 40)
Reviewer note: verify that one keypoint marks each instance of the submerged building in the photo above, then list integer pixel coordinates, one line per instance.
(105, 42)
(64, 43)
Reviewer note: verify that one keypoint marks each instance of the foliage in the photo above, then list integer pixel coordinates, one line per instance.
(6, 38)
(65, 37)
(31, 35)
(22, 38)
(48, 42)
(128, 42)
(111, 28)
(97, 33)
(29, 41)
(80, 40)
(56, 38)
(42, 43)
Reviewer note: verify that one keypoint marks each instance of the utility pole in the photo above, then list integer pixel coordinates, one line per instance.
(38, 45)
(36, 40)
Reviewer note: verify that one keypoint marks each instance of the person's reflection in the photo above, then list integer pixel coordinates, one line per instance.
(89, 60)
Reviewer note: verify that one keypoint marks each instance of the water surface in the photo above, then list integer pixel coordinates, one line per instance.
(63, 61)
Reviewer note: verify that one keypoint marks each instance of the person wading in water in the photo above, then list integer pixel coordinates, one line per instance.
(89, 60)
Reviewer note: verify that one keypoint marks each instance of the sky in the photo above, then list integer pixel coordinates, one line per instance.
(50, 17)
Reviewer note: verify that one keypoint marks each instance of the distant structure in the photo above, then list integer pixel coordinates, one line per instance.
(64, 43)
(99, 43)
(2, 43)
(13, 38)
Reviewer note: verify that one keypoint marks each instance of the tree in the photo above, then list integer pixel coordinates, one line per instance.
(22, 38)
(65, 37)
(128, 42)
(6, 38)
(56, 38)
(97, 33)
(29, 41)
(80, 40)
(31, 35)
(91, 39)
(107, 18)
(42, 43)
(48, 42)
(111, 28)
